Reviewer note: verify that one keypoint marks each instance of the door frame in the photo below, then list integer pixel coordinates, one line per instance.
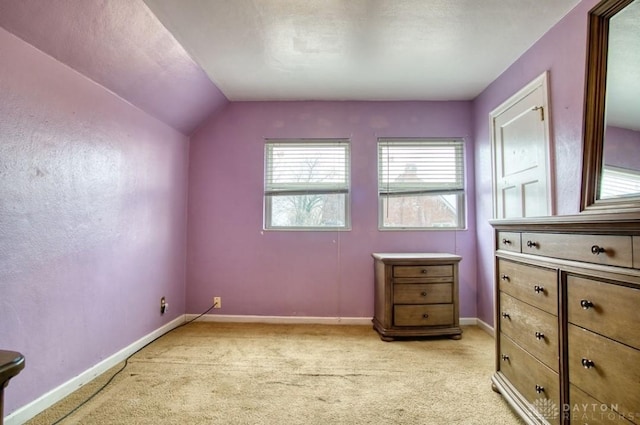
(541, 81)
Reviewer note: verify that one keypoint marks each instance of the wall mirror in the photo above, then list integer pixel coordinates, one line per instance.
(611, 163)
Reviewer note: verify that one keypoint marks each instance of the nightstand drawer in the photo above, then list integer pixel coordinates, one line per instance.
(535, 381)
(608, 309)
(423, 271)
(423, 315)
(609, 250)
(436, 293)
(605, 369)
(533, 329)
(534, 285)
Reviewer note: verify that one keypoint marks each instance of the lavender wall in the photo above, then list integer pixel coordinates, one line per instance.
(621, 147)
(327, 274)
(561, 51)
(92, 220)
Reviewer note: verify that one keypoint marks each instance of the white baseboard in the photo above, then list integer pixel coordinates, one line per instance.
(486, 327)
(230, 318)
(30, 410)
(468, 321)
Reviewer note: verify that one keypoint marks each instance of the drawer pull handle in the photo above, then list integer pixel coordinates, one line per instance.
(506, 316)
(506, 241)
(423, 271)
(596, 250)
(425, 316)
(505, 357)
(588, 364)
(532, 244)
(539, 335)
(505, 277)
(423, 293)
(539, 389)
(586, 304)
(538, 289)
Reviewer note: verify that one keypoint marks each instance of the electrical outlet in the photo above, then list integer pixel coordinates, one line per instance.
(217, 302)
(163, 305)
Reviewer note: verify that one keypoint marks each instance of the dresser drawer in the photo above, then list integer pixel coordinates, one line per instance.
(538, 384)
(636, 252)
(605, 369)
(423, 315)
(586, 410)
(533, 329)
(600, 249)
(608, 309)
(508, 241)
(423, 271)
(435, 293)
(534, 285)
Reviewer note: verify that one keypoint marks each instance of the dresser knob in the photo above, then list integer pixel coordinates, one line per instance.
(532, 244)
(505, 357)
(539, 335)
(586, 304)
(539, 389)
(596, 250)
(425, 316)
(423, 271)
(588, 364)
(538, 289)
(423, 293)
(506, 315)
(505, 277)
(506, 241)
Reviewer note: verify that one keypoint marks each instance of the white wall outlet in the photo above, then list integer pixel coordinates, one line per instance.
(217, 302)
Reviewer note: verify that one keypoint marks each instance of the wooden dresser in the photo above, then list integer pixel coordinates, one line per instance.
(416, 295)
(568, 318)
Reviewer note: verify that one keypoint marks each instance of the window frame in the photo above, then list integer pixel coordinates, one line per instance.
(461, 193)
(331, 189)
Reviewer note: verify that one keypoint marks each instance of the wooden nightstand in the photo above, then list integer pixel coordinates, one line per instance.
(416, 294)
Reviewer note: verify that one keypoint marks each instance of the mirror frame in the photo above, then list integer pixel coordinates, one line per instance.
(594, 111)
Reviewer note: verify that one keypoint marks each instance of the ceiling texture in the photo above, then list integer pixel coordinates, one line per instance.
(179, 60)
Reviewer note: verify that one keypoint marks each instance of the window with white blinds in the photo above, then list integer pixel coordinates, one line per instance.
(421, 183)
(306, 184)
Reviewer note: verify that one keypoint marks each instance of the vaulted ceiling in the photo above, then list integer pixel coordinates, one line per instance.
(180, 60)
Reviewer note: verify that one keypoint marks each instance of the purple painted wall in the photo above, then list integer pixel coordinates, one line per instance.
(92, 220)
(124, 47)
(562, 51)
(327, 274)
(621, 147)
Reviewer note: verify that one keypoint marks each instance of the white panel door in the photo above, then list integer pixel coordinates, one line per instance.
(522, 182)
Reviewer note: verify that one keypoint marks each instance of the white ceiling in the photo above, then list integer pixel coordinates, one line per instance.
(356, 49)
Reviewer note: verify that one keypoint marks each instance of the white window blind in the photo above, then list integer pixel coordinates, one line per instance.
(306, 183)
(618, 182)
(412, 167)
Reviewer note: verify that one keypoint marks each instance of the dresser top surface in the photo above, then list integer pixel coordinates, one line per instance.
(399, 257)
(582, 223)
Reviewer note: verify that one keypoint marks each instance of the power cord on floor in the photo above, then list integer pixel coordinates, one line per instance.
(126, 362)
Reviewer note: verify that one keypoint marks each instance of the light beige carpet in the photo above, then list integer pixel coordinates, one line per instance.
(220, 373)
